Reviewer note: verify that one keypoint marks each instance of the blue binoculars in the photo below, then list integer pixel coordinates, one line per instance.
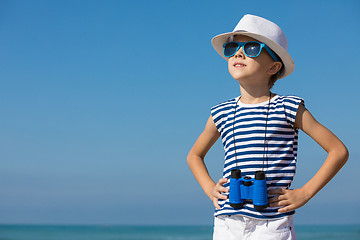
(247, 190)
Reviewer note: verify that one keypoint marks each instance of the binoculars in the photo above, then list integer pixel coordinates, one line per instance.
(247, 190)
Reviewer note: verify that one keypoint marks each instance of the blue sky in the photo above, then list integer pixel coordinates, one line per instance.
(100, 102)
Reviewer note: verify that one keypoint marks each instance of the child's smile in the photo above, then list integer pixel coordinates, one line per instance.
(239, 65)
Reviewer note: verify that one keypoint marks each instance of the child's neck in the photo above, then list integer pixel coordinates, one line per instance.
(253, 95)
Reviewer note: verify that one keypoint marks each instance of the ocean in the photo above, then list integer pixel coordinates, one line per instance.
(49, 232)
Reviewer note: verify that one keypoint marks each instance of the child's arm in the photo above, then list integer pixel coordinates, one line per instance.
(337, 156)
(196, 163)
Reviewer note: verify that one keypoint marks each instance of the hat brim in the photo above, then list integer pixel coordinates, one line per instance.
(289, 66)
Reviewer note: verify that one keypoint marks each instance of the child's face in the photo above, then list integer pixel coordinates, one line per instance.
(251, 70)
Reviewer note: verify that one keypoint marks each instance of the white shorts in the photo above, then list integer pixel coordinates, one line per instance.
(235, 227)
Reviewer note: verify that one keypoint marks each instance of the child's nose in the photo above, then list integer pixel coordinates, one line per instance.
(240, 53)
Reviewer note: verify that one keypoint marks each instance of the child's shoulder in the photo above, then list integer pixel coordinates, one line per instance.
(289, 99)
(224, 104)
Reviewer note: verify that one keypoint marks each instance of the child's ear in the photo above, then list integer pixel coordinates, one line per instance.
(275, 68)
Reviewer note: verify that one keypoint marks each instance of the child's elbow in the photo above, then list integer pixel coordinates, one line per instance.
(344, 154)
(190, 158)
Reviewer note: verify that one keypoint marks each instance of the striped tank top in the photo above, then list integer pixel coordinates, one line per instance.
(280, 148)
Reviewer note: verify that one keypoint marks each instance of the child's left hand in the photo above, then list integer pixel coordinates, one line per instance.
(288, 199)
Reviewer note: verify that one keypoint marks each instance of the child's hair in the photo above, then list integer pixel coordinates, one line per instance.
(272, 80)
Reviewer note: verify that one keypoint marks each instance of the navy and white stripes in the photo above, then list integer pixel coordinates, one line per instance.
(249, 131)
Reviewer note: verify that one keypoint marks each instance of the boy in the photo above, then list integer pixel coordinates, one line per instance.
(259, 131)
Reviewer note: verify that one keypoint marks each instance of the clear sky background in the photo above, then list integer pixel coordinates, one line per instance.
(101, 101)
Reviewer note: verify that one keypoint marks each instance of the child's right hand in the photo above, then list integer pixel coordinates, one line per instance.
(217, 192)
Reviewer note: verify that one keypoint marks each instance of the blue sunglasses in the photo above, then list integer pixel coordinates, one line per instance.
(250, 49)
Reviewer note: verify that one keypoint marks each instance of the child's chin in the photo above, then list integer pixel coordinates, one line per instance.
(239, 76)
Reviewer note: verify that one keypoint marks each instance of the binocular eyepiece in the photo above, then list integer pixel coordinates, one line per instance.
(248, 189)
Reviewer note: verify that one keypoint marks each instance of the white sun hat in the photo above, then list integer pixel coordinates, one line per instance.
(264, 31)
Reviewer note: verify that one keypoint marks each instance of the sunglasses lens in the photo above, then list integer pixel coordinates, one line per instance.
(230, 49)
(252, 49)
